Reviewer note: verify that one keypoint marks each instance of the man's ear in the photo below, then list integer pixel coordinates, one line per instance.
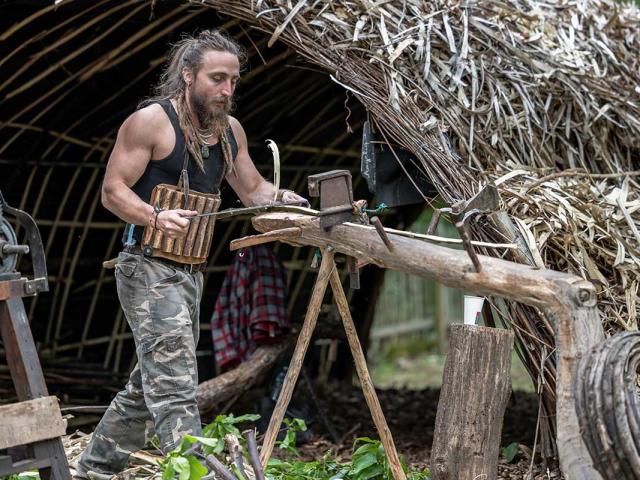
(187, 76)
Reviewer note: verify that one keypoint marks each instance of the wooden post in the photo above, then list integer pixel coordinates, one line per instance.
(365, 379)
(297, 359)
(475, 388)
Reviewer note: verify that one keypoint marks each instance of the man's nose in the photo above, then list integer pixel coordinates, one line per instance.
(227, 88)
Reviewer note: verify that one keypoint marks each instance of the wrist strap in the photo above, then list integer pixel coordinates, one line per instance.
(157, 209)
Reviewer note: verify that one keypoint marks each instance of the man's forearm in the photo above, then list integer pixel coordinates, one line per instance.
(123, 202)
(263, 194)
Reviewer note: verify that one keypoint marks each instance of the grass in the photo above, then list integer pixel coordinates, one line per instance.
(417, 370)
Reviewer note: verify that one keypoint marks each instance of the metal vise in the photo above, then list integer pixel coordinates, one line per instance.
(336, 206)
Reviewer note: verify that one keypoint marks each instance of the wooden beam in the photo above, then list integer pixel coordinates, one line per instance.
(297, 358)
(30, 421)
(365, 379)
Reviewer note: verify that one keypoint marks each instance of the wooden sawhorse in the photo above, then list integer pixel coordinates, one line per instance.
(35, 422)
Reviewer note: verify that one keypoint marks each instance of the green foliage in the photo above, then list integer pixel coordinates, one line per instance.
(223, 425)
(326, 468)
(289, 442)
(22, 476)
(183, 465)
(510, 452)
(369, 461)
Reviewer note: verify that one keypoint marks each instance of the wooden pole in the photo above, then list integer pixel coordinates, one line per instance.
(365, 379)
(475, 389)
(304, 339)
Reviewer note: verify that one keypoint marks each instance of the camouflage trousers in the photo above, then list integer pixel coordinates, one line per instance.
(162, 306)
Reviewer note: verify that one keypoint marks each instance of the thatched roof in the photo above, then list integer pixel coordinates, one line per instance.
(541, 97)
(507, 92)
(499, 91)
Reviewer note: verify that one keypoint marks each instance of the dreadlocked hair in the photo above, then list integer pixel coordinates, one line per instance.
(188, 52)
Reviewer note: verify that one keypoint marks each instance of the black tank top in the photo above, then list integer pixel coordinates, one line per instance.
(168, 169)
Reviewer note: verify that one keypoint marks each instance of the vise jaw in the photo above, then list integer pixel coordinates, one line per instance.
(336, 197)
(336, 206)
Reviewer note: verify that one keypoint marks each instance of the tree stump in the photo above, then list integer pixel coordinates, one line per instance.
(476, 385)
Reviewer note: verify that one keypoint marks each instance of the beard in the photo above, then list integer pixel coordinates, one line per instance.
(212, 116)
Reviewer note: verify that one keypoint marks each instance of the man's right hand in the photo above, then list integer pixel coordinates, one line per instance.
(175, 223)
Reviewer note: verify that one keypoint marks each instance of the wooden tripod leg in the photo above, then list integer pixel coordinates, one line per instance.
(365, 379)
(297, 359)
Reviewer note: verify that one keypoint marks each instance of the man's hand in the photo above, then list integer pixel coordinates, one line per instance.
(291, 197)
(174, 223)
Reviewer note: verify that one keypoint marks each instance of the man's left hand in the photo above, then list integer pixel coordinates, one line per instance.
(292, 197)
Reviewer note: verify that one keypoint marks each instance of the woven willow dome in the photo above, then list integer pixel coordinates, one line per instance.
(540, 97)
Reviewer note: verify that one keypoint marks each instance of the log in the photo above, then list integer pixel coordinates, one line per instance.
(608, 405)
(567, 300)
(224, 387)
(30, 421)
(476, 384)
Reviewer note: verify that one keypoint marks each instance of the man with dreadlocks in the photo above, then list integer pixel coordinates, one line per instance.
(184, 137)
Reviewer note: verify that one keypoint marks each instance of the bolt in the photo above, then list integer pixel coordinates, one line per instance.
(584, 295)
(11, 249)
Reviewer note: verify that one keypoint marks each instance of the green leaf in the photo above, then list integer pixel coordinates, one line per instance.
(373, 471)
(181, 467)
(510, 452)
(196, 469)
(167, 471)
(245, 418)
(363, 462)
(209, 442)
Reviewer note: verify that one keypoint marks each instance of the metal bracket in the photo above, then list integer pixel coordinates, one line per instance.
(485, 201)
(39, 282)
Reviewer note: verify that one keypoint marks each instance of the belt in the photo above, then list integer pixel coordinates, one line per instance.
(187, 267)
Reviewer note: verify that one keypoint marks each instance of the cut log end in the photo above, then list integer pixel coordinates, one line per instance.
(475, 389)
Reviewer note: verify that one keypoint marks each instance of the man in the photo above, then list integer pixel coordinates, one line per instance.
(160, 297)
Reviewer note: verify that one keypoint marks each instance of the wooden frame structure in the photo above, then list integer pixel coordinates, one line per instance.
(35, 422)
(567, 299)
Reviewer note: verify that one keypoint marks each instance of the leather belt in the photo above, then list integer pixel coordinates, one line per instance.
(187, 267)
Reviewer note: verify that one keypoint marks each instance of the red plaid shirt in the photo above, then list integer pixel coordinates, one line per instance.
(251, 308)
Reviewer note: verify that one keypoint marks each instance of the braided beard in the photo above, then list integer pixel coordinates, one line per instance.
(214, 123)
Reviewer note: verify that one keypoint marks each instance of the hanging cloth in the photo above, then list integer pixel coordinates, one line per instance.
(251, 308)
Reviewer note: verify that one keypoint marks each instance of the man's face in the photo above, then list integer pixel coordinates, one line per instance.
(211, 92)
